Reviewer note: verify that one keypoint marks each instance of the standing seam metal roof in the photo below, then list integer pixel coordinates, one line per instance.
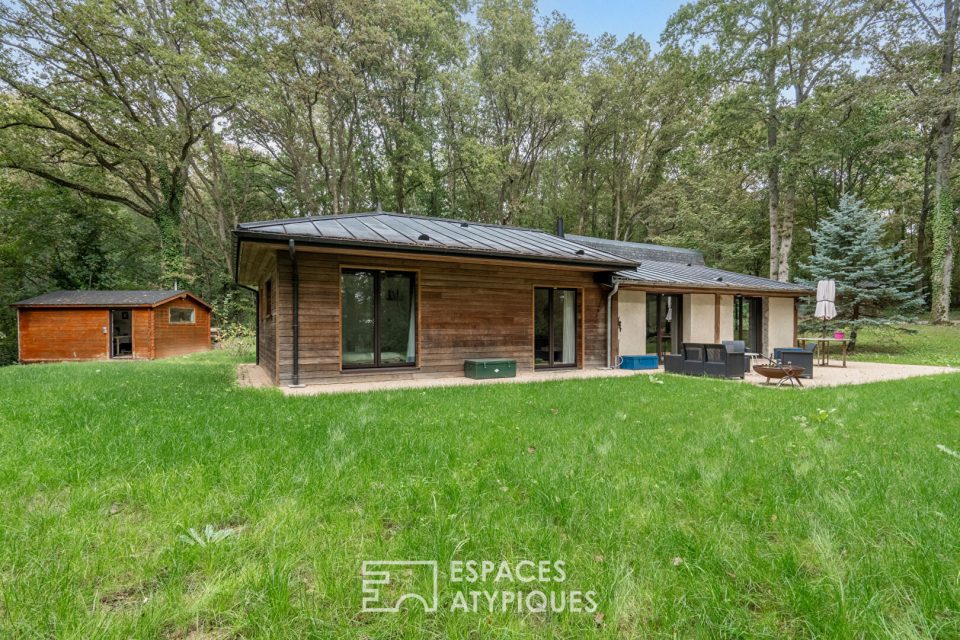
(441, 235)
(651, 272)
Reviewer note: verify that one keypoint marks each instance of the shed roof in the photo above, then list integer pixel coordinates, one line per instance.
(393, 231)
(145, 298)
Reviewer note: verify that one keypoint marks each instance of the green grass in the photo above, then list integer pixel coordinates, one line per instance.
(794, 514)
(910, 344)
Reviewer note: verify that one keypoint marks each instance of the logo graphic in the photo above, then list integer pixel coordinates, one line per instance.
(381, 574)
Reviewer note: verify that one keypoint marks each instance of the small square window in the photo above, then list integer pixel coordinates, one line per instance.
(268, 299)
(180, 315)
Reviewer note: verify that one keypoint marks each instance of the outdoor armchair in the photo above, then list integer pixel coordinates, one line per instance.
(722, 361)
(800, 357)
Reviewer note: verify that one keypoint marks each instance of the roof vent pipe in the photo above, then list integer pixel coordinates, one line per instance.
(560, 226)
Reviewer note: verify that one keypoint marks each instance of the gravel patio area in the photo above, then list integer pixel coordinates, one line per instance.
(858, 373)
(249, 375)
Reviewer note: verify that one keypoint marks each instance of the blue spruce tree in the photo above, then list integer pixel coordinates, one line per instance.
(876, 284)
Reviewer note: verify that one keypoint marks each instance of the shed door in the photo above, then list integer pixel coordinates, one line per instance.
(121, 333)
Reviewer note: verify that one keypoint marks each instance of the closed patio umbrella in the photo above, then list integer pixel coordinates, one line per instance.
(826, 309)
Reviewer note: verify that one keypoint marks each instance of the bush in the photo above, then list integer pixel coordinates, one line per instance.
(238, 340)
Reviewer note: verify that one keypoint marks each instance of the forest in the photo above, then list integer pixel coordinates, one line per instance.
(134, 135)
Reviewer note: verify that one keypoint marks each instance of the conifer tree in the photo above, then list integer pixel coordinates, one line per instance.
(876, 284)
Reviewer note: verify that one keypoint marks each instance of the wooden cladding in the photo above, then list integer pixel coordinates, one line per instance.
(58, 334)
(465, 310)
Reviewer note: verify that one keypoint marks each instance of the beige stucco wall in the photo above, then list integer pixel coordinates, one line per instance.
(698, 317)
(726, 318)
(778, 323)
(632, 306)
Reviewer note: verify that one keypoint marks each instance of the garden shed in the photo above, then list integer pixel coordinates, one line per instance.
(100, 325)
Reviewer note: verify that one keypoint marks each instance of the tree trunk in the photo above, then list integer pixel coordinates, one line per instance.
(773, 171)
(788, 216)
(941, 258)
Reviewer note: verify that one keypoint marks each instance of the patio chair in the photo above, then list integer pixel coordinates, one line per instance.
(721, 362)
(802, 357)
(673, 363)
(738, 346)
(693, 359)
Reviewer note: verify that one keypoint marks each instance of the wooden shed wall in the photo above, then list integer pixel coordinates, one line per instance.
(63, 334)
(466, 311)
(143, 334)
(48, 335)
(171, 339)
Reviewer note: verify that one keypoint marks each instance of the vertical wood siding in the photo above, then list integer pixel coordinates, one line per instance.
(466, 311)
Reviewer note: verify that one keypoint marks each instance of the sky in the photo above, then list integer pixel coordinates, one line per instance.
(619, 17)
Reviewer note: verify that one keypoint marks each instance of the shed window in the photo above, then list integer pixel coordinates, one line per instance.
(378, 319)
(182, 315)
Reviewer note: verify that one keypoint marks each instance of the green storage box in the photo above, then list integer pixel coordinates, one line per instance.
(486, 368)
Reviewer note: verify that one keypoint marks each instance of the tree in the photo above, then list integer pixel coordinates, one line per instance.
(525, 78)
(110, 99)
(52, 237)
(778, 54)
(941, 258)
(876, 284)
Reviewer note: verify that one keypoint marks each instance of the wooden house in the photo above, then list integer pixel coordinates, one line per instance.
(383, 296)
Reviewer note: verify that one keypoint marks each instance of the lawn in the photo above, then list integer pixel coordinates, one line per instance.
(910, 344)
(693, 508)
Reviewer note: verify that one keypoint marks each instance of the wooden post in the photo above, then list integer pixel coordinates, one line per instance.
(716, 318)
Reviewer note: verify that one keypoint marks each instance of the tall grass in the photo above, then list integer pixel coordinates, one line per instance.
(694, 508)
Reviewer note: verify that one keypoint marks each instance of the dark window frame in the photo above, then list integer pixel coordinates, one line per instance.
(193, 315)
(551, 328)
(268, 298)
(660, 303)
(755, 321)
(377, 277)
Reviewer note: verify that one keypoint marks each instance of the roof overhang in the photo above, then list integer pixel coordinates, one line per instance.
(729, 289)
(246, 236)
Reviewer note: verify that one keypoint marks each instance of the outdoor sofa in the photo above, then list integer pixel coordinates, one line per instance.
(701, 359)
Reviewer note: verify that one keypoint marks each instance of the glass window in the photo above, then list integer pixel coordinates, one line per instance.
(555, 327)
(180, 315)
(378, 320)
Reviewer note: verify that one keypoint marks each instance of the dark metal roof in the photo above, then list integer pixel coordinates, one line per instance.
(651, 272)
(672, 266)
(638, 251)
(392, 231)
(105, 299)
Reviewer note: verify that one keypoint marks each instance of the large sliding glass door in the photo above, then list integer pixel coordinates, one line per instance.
(747, 315)
(664, 324)
(378, 319)
(555, 319)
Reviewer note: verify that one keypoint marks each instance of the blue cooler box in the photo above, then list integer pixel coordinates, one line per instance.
(639, 362)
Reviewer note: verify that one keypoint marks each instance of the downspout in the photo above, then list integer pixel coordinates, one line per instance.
(613, 292)
(295, 322)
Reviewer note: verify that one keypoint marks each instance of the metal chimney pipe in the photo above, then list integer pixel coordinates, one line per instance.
(560, 226)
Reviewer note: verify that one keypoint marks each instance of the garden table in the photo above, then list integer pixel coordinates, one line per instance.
(823, 349)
